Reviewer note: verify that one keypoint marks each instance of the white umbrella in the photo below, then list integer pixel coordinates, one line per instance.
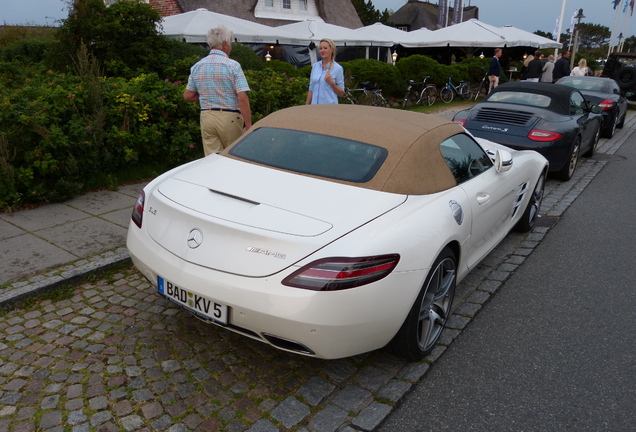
(315, 31)
(517, 37)
(471, 33)
(193, 27)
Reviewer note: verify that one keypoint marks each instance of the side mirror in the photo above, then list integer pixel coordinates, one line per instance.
(503, 161)
(629, 95)
(597, 109)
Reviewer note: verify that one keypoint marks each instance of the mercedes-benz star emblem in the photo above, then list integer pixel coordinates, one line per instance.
(195, 238)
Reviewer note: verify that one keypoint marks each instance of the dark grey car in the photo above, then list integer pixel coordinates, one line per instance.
(554, 120)
(605, 93)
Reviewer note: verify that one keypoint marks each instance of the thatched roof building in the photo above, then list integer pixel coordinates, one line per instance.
(272, 12)
(416, 14)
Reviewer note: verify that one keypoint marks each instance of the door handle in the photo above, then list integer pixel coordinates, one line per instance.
(482, 198)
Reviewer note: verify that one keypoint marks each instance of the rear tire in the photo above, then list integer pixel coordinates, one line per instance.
(527, 221)
(626, 78)
(568, 169)
(425, 322)
(446, 94)
(465, 91)
(429, 94)
(611, 130)
(378, 100)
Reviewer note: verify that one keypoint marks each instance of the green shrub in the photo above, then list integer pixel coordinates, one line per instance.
(123, 37)
(284, 67)
(272, 91)
(26, 51)
(248, 59)
(382, 74)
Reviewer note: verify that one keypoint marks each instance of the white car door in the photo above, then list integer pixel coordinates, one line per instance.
(491, 194)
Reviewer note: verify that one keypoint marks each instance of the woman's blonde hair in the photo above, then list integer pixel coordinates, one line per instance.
(582, 63)
(332, 45)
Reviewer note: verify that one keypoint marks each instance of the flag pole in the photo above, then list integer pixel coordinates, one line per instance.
(556, 50)
(617, 19)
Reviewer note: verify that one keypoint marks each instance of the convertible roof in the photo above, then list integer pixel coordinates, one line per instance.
(414, 165)
(559, 95)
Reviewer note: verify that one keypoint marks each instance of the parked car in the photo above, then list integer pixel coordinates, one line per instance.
(605, 93)
(556, 121)
(333, 230)
(621, 67)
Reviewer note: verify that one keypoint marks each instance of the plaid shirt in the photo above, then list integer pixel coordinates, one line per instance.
(217, 79)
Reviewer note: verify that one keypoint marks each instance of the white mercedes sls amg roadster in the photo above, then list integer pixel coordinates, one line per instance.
(334, 230)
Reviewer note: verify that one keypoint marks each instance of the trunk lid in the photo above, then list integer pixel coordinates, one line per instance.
(250, 220)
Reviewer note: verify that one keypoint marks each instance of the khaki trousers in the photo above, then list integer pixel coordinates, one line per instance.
(219, 129)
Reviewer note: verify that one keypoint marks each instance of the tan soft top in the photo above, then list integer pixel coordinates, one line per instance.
(414, 165)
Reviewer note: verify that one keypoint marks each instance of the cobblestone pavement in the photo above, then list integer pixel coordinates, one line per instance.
(111, 355)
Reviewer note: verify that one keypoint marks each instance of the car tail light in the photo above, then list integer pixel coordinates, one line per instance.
(606, 105)
(138, 210)
(332, 274)
(461, 122)
(543, 136)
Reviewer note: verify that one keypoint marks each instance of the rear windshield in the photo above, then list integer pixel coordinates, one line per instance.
(311, 153)
(582, 84)
(521, 98)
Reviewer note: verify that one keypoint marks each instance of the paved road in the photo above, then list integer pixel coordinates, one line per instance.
(554, 350)
(110, 355)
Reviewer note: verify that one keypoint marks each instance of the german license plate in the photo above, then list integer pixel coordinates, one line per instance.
(200, 306)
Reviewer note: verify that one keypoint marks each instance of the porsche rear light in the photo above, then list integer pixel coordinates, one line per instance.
(138, 209)
(332, 274)
(543, 136)
(461, 122)
(606, 105)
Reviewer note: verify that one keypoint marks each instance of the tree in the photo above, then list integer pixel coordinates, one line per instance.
(593, 36)
(123, 37)
(369, 14)
(630, 44)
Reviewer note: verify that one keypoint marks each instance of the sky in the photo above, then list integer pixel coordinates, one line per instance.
(529, 15)
(533, 15)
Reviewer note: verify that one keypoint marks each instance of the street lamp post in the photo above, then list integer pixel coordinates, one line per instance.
(578, 17)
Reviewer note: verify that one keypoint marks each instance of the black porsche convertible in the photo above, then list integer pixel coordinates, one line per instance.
(555, 121)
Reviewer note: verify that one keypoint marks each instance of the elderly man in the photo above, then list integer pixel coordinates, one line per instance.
(494, 70)
(220, 87)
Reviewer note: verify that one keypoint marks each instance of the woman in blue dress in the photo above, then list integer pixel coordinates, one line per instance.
(326, 82)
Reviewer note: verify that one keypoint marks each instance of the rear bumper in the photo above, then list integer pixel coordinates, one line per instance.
(321, 324)
(556, 152)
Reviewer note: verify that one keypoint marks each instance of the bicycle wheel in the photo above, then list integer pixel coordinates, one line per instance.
(465, 91)
(378, 100)
(430, 95)
(409, 99)
(446, 94)
(482, 91)
(349, 98)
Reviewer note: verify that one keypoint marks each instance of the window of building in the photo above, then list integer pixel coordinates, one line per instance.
(286, 4)
(302, 5)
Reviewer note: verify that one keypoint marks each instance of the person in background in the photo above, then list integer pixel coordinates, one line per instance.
(219, 85)
(535, 67)
(494, 71)
(524, 67)
(326, 82)
(581, 69)
(562, 66)
(548, 67)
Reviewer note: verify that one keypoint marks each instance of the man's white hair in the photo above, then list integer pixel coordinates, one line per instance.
(218, 35)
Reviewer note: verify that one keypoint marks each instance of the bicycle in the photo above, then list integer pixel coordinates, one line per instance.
(426, 92)
(449, 90)
(371, 95)
(484, 86)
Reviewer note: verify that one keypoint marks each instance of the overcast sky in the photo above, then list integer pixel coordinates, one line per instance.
(529, 15)
(533, 15)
